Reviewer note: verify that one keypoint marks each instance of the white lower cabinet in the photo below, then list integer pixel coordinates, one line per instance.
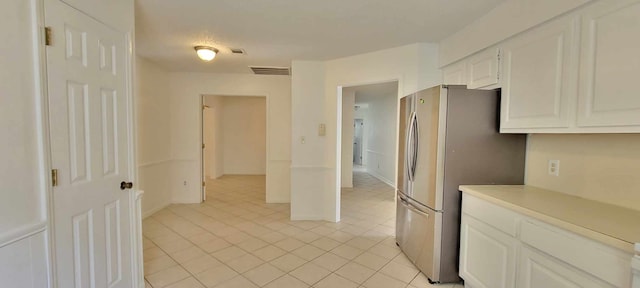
(501, 248)
(635, 265)
(487, 256)
(537, 269)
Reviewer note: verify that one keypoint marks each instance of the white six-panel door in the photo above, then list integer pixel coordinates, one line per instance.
(89, 142)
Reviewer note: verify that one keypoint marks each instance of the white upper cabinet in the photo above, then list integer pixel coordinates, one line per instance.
(455, 74)
(483, 69)
(610, 66)
(539, 79)
(577, 73)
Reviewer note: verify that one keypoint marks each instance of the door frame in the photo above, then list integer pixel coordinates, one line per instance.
(44, 146)
(44, 133)
(203, 161)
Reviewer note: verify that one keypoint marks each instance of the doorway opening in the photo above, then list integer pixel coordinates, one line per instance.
(369, 133)
(358, 143)
(234, 146)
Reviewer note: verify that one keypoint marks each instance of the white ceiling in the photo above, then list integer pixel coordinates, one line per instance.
(274, 32)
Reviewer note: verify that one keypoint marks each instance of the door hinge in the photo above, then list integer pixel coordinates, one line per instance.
(48, 36)
(203, 145)
(204, 183)
(54, 177)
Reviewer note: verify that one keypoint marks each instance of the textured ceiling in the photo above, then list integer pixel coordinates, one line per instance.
(274, 32)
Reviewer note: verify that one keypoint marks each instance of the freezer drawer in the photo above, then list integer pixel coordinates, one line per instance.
(415, 233)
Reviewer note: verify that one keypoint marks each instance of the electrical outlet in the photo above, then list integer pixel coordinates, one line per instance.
(554, 167)
(185, 183)
(303, 140)
(322, 130)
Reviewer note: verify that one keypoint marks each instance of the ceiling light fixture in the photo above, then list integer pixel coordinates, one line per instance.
(206, 53)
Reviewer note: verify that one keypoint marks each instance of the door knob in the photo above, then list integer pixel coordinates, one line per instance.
(126, 185)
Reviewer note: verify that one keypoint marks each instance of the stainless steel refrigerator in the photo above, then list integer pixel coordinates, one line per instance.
(448, 137)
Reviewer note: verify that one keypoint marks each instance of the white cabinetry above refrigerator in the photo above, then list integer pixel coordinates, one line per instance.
(576, 73)
(479, 71)
(559, 93)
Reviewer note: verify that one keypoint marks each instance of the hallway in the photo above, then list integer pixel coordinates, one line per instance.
(234, 239)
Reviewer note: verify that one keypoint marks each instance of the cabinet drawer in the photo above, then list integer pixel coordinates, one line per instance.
(602, 262)
(537, 269)
(500, 218)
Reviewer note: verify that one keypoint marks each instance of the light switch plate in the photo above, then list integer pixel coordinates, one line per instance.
(322, 130)
(554, 167)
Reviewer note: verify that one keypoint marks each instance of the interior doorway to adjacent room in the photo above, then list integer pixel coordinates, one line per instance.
(358, 140)
(369, 132)
(234, 141)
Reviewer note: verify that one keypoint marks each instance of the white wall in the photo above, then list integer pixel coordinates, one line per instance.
(186, 90)
(214, 150)
(348, 103)
(23, 254)
(245, 134)
(381, 138)
(315, 88)
(308, 173)
(602, 167)
(506, 20)
(153, 135)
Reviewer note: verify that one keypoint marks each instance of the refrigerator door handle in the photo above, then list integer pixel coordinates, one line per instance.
(409, 149)
(414, 141)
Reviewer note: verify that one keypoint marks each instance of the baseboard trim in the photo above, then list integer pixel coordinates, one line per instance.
(307, 218)
(154, 210)
(381, 178)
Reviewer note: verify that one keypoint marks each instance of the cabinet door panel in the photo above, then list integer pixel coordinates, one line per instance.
(482, 69)
(610, 65)
(487, 256)
(539, 79)
(455, 74)
(635, 264)
(539, 270)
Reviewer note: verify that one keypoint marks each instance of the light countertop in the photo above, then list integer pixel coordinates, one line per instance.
(612, 225)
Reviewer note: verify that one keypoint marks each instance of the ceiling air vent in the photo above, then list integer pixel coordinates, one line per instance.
(238, 51)
(265, 70)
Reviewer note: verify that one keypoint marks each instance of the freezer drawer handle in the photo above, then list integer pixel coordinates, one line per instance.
(414, 209)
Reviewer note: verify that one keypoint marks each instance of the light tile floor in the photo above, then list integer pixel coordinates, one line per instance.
(236, 240)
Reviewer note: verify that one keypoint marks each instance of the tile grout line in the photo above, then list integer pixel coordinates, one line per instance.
(353, 217)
